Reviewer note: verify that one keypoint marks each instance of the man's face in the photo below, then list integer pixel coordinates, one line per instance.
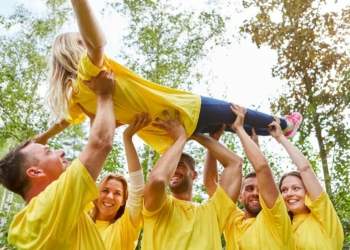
(249, 196)
(183, 177)
(50, 164)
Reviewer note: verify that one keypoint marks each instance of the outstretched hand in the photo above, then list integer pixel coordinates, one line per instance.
(138, 123)
(275, 129)
(102, 84)
(255, 137)
(173, 127)
(217, 134)
(41, 139)
(240, 113)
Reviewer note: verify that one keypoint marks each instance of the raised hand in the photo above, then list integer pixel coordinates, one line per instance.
(217, 134)
(255, 137)
(102, 84)
(173, 127)
(138, 122)
(275, 129)
(240, 113)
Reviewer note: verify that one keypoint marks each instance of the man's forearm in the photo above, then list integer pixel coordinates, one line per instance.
(104, 123)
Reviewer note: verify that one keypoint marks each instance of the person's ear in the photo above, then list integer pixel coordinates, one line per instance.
(195, 175)
(240, 198)
(34, 172)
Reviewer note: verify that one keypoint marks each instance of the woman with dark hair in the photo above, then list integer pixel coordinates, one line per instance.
(315, 222)
(117, 210)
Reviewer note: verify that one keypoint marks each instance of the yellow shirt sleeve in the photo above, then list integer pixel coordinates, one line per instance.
(56, 218)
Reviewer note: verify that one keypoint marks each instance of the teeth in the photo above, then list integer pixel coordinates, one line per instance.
(107, 204)
(292, 201)
(175, 178)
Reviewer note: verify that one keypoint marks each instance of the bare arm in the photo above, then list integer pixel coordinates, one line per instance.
(90, 31)
(266, 183)
(139, 122)
(155, 188)
(101, 136)
(231, 176)
(310, 180)
(255, 137)
(55, 129)
(210, 173)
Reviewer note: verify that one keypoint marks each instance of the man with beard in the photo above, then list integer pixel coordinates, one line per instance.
(265, 223)
(174, 221)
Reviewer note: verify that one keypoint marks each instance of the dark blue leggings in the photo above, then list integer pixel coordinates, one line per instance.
(215, 112)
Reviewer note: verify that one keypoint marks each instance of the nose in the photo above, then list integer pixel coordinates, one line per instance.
(110, 195)
(289, 192)
(60, 153)
(256, 192)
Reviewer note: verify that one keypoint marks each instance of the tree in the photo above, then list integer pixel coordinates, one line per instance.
(313, 61)
(25, 39)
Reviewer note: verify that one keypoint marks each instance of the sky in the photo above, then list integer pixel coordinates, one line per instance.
(242, 68)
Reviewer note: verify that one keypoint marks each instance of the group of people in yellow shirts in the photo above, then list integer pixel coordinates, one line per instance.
(66, 210)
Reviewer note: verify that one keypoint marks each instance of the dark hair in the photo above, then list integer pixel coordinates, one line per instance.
(120, 212)
(292, 173)
(249, 175)
(190, 160)
(13, 168)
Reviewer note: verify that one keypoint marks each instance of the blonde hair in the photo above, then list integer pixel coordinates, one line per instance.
(120, 212)
(67, 50)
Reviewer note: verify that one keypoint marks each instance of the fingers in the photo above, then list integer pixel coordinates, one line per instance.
(277, 119)
(253, 132)
(217, 134)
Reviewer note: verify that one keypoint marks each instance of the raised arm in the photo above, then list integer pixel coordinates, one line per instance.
(310, 180)
(231, 176)
(210, 173)
(266, 183)
(134, 203)
(90, 30)
(155, 189)
(101, 136)
(55, 129)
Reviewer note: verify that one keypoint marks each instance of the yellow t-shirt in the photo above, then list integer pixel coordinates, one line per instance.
(320, 229)
(133, 95)
(180, 224)
(120, 235)
(271, 229)
(56, 218)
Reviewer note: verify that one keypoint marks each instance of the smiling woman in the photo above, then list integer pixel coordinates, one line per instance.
(116, 213)
(315, 222)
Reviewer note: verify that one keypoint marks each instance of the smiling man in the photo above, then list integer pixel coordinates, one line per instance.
(173, 221)
(264, 223)
(57, 192)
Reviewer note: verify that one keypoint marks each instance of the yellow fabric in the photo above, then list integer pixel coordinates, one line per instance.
(120, 235)
(56, 218)
(180, 224)
(320, 229)
(133, 95)
(271, 229)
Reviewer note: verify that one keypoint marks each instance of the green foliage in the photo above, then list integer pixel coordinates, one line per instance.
(313, 60)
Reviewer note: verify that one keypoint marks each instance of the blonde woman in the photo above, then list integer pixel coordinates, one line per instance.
(117, 210)
(315, 223)
(76, 58)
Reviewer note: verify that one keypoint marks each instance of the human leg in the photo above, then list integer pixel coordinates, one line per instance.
(215, 112)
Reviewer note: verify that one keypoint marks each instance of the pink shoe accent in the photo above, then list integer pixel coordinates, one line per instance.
(296, 119)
